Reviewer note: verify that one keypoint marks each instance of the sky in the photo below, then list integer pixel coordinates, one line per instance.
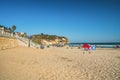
(78, 20)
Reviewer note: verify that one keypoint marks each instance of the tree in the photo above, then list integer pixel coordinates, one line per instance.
(13, 28)
(23, 34)
(9, 29)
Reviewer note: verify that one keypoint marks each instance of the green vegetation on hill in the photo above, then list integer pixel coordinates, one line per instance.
(38, 38)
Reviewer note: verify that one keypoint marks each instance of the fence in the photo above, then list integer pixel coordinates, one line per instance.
(9, 40)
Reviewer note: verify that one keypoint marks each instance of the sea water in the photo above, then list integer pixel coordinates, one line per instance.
(101, 45)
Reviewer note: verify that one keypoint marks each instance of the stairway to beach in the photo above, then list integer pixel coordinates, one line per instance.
(8, 42)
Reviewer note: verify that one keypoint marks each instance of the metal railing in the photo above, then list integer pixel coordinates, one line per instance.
(24, 40)
(9, 35)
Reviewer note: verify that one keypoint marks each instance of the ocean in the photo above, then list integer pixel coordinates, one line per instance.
(100, 44)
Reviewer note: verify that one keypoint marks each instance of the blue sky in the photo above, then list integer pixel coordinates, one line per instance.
(79, 20)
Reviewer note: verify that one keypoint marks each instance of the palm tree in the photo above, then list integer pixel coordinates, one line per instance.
(13, 28)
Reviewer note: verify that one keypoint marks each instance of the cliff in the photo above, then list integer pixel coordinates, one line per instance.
(49, 39)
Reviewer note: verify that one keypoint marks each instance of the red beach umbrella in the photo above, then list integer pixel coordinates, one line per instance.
(86, 46)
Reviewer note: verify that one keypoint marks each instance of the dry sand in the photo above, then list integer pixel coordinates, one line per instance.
(24, 63)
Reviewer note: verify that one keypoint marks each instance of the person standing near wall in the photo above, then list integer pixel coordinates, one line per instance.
(28, 42)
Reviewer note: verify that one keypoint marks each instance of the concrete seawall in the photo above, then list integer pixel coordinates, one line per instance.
(6, 43)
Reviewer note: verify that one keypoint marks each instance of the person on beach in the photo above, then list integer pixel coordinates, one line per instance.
(41, 46)
(29, 43)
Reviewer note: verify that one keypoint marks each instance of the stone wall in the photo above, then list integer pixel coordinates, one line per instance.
(6, 43)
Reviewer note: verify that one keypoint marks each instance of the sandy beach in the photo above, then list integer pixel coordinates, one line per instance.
(22, 63)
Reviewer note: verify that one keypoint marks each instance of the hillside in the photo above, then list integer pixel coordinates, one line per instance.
(46, 39)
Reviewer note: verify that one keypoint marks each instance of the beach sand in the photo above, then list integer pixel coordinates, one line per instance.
(54, 63)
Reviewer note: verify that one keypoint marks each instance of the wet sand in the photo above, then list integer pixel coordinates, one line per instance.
(24, 63)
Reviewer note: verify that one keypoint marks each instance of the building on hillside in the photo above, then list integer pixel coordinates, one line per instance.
(6, 31)
(1, 29)
(17, 34)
